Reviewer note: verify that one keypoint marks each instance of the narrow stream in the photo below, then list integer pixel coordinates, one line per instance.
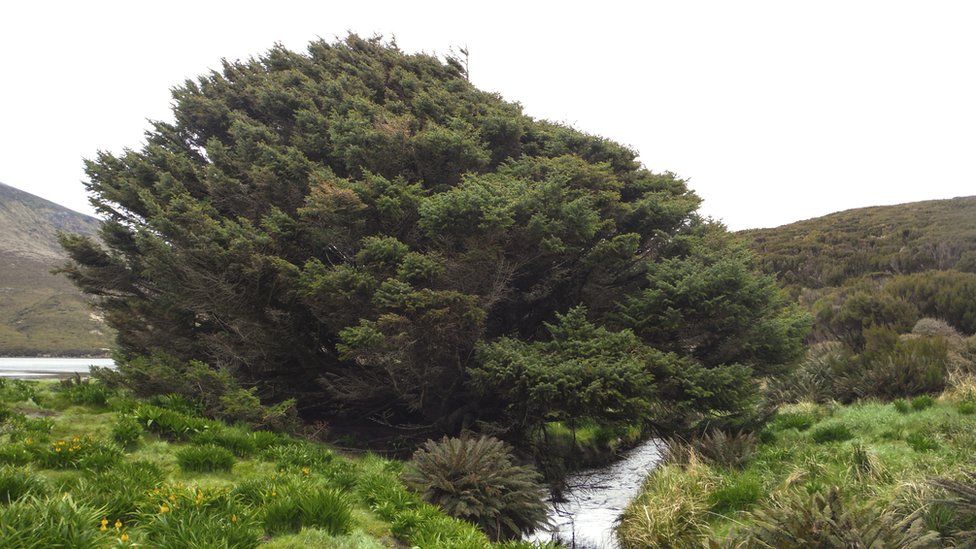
(595, 499)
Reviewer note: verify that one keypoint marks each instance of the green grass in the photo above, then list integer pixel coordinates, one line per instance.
(172, 479)
(879, 457)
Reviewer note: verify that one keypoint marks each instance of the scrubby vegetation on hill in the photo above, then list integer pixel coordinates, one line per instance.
(366, 232)
(902, 239)
(82, 465)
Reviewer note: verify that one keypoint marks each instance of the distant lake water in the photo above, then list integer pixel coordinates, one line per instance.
(40, 368)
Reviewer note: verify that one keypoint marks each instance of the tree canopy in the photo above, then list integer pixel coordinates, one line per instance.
(367, 232)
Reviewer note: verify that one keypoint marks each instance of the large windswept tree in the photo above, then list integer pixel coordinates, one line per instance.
(368, 232)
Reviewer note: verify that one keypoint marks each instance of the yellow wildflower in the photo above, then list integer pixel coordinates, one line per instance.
(118, 524)
(306, 470)
(164, 508)
(125, 537)
(233, 518)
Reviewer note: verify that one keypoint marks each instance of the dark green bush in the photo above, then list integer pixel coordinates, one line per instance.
(90, 393)
(16, 483)
(966, 407)
(475, 479)
(922, 402)
(205, 458)
(831, 432)
(902, 406)
(127, 431)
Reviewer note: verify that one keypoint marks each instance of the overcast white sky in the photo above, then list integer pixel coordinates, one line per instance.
(775, 111)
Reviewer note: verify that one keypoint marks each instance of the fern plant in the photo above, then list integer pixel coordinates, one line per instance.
(475, 479)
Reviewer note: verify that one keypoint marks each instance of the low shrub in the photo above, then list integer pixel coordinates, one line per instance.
(822, 520)
(127, 431)
(935, 327)
(308, 507)
(831, 432)
(87, 393)
(204, 458)
(922, 402)
(16, 483)
(475, 479)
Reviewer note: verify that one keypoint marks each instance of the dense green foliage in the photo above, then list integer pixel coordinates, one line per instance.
(475, 479)
(858, 475)
(907, 238)
(286, 492)
(366, 231)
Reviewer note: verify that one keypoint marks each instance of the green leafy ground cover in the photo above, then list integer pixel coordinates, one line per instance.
(88, 467)
(881, 456)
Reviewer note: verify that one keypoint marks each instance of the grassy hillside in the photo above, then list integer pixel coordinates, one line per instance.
(906, 238)
(84, 466)
(40, 313)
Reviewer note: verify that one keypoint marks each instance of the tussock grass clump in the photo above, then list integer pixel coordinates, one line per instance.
(824, 520)
(475, 479)
(715, 447)
(16, 483)
(831, 432)
(298, 455)
(238, 441)
(801, 421)
(57, 521)
(77, 452)
(217, 523)
(122, 491)
(311, 507)
(736, 492)
(670, 510)
(921, 442)
(205, 458)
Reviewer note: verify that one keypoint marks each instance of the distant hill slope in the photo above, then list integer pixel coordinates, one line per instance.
(40, 313)
(906, 238)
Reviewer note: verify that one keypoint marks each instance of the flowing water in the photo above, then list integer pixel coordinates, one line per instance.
(595, 498)
(40, 368)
